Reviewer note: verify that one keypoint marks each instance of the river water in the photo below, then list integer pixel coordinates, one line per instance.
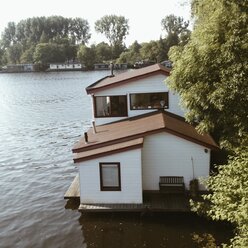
(41, 116)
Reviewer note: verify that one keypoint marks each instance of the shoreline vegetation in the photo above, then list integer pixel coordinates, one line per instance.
(48, 40)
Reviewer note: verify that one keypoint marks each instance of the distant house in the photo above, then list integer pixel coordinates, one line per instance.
(66, 67)
(20, 68)
(139, 138)
(101, 66)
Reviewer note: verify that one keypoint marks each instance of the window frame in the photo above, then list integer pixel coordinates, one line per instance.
(107, 116)
(137, 93)
(110, 188)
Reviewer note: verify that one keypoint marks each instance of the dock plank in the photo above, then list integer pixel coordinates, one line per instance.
(74, 189)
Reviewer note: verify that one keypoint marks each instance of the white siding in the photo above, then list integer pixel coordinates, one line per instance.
(164, 154)
(154, 83)
(131, 181)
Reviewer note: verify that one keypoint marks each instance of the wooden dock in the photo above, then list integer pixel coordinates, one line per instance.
(74, 189)
(152, 202)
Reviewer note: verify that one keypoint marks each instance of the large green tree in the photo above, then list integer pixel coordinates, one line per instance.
(131, 55)
(49, 53)
(229, 198)
(210, 73)
(30, 32)
(115, 28)
(87, 55)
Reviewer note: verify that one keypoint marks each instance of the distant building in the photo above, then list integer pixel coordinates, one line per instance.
(101, 66)
(20, 68)
(66, 67)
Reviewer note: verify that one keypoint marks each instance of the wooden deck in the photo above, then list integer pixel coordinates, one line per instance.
(73, 191)
(152, 202)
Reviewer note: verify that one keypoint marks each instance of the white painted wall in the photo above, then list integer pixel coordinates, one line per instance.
(164, 154)
(154, 83)
(131, 180)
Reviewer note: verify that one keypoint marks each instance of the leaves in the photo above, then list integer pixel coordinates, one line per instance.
(210, 73)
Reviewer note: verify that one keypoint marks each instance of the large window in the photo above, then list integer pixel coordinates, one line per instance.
(110, 178)
(149, 100)
(110, 106)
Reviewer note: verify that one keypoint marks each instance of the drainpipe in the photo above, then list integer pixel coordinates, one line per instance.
(193, 169)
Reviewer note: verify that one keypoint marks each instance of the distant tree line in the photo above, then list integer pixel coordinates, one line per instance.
(56, 39)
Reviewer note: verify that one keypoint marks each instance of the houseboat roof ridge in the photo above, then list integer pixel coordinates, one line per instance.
(139, 127)
(125, 77)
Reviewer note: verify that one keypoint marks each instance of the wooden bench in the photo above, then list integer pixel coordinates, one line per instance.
(171, 184)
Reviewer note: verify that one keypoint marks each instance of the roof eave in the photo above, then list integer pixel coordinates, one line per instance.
(91, 90)
(86, 158)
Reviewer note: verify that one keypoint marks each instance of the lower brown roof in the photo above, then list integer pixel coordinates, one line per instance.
(107, 150)
(142, 125)
(126, 134)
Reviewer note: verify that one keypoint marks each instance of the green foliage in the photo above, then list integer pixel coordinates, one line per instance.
(229, 197)
(49, 53)
(14, 53)
(150, 51)
(55, 30)
(115, 28)
(103, 52)
(87, 56)
(131, 55)
(210, 73)
(176, 29)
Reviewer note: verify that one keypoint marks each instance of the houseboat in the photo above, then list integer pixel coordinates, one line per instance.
(139, 146)
(19, 68)
(66, 67)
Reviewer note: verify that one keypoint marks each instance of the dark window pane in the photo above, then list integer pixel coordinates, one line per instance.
(110, 106)
(149, 100)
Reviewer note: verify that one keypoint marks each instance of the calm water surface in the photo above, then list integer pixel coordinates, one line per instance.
(41, 116)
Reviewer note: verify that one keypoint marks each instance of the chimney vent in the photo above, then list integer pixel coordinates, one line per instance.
(94, 127)
(86, 138)
(112, 69)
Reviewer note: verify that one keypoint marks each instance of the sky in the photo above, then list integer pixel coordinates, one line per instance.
(144, 16)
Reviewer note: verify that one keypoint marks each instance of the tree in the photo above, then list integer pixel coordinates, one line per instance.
(8, 36)
(54, 29)
(229, 200)
(103, 52)
(115, 28)
(174, 25)
(14, 54)
(49, 53)
(131, 55)
(210, 73)
(150, 51)
(27, 56)
(87, 56)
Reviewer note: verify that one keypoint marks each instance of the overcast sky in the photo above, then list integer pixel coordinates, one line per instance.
(144, 16)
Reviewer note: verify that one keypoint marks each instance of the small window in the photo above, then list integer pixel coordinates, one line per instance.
(110, 106)
(140, 101)
(110, 179)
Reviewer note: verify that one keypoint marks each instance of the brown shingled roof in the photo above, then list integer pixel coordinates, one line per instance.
(107, 150)
(113, 134)
(110, 81)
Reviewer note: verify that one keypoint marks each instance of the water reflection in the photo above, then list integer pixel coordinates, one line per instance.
(126, 230)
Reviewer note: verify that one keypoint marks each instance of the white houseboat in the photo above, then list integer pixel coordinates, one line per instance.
(139, 143)
(66, 67)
